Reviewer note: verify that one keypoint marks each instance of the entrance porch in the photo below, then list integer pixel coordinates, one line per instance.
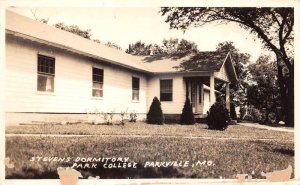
(203, 92)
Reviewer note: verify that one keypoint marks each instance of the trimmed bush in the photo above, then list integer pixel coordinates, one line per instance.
(232, 111)
(218, 116)
(155, 114)
(187, 116)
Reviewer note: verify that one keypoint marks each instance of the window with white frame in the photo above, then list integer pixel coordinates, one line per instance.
(135, 88)
(46, 73)
(166, 90)
(97, 82)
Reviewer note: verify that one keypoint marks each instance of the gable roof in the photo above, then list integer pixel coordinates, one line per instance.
(27, 28)
(30, 29)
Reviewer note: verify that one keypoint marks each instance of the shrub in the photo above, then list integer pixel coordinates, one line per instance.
(187, 116)
(232, 111)
(155, 114)
(248, 117)
(133, 117)
(272, 118)
(242, 112)
(256, 115)
(123, 115)
(218, 116)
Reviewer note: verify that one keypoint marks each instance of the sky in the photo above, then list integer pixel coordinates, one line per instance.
(126, 25)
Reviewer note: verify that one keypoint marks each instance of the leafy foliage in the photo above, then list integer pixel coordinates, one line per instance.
(232, 111)
(187, 115)
(263, 91)
(113, 45)
(169, 47)
(133, 117)
(139, 48)
(74, 29)
(155, 114)
(218, 116)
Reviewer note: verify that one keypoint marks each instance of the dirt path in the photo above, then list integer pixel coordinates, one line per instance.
(267, 127)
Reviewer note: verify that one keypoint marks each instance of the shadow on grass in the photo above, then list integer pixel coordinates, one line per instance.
(104, 173)
(275, 148)
(288, 152)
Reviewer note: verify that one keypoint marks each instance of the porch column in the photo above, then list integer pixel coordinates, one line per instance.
(227, 97)
(212, 98)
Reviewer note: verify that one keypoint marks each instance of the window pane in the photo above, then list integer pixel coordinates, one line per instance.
(166, 85)
(135, 83)
(97, 86)
(97, 82)
(46, 65)
(45, 83)
(97, 93)
(97, 75)
(165, 96)
(166, 90)
(135, 95)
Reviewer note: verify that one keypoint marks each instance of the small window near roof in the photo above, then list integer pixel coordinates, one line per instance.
(97, 82)
(46, 73)
(166, 90)
(135, 88)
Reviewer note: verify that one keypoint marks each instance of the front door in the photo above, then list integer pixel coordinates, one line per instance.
(196, 97)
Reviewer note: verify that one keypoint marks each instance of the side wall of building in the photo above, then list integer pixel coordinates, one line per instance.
(72, 84)
(169, 107)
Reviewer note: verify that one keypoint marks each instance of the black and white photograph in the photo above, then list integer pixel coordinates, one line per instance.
(149, 92)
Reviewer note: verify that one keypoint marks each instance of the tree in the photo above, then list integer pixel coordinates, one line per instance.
(187, 115)
(113, 45)
(97, 41)
(155, 114)
(139, 48)
(273, 26)
(171, 47)
(263, 93)
(74, 29)
(43, 20)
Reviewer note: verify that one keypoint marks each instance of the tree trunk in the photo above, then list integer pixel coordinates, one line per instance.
(290, 100)
(282, 91)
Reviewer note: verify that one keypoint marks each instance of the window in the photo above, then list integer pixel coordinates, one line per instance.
(166, 90)
(97, 82)
(135, 88)
(46, 73)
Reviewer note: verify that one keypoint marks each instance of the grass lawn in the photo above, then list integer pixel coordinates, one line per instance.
(140, 128)
(230, 157)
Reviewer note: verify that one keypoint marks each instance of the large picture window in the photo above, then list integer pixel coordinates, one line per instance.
(166, 90)
(46, 73)
(135, 88)
(97, 82)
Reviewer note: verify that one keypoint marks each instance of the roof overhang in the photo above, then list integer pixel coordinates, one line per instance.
(228, 63)
(67, 48)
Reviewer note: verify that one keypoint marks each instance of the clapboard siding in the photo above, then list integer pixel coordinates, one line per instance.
(172, 107)
(72, 86)
(222, 74)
